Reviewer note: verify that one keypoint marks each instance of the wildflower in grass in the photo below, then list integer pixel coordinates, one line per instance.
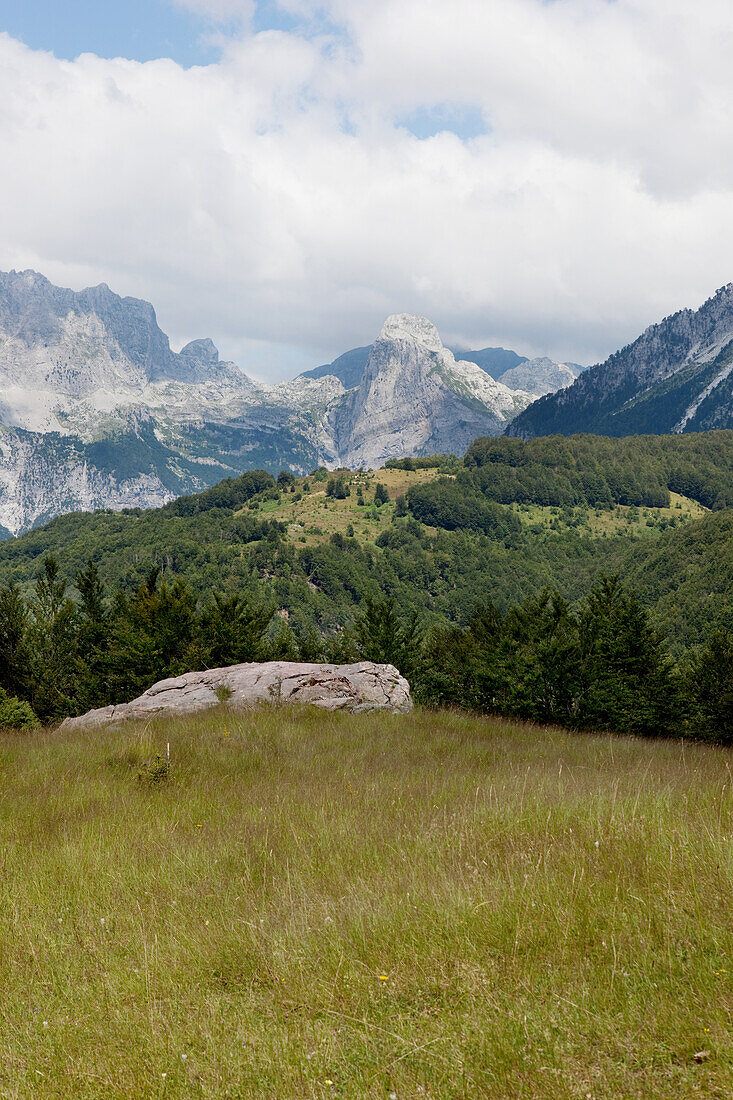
(383, 978)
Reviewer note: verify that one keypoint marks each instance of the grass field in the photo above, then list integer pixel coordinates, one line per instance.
(315, 517)
(621, 519)
(314, 905)
(312, 517)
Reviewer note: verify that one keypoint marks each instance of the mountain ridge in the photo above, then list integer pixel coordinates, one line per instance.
(676, 377)
(82, 369)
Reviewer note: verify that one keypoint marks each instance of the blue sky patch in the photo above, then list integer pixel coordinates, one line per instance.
(465, 121)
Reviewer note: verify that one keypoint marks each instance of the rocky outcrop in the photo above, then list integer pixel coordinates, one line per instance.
(415, 398)
(360, 687)
(540, 376)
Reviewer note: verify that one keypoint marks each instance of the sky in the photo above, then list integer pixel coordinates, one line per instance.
(546, 175)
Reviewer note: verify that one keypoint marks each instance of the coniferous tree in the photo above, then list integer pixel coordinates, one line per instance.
(233, 629)
(93, 639)
(542, 660)
(54, 645)
(709, 681)
(387, 637)
(630, 684)
(14, 642)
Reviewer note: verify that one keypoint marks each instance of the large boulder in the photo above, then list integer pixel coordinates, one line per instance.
(361, 687)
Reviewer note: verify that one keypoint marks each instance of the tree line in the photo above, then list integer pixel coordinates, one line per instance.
(596, 665)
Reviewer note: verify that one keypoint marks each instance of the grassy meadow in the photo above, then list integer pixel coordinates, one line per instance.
(321, 906)
(313, 517)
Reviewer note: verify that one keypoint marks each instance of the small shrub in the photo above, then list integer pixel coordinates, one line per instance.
(15, 713)
(155, 771)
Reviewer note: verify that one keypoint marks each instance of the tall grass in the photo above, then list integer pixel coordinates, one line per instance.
(313, 905)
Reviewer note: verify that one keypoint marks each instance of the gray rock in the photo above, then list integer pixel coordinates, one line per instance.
(540, 376)
(414, 398)
(361, 687)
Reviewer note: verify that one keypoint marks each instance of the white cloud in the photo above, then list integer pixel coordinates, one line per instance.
(274, 199)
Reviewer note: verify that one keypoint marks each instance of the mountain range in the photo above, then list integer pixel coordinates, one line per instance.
(97, 410)
(677, 377)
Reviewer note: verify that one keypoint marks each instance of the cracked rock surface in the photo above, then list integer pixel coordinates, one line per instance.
(359, 687)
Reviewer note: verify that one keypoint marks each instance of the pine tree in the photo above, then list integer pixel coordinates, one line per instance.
(14, 642)
(54, 645)
(233, 629)
(386, 637)
(709, 683)
(93, 639)
(631, 684)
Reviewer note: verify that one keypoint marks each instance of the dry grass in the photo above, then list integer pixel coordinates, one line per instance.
(332, 906)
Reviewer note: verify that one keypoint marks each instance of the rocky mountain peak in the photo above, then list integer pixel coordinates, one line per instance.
(406, 326)
(414, 398)
(202, 352)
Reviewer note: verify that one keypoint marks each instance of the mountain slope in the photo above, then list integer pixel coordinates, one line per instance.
(90, 387)
(495, 361)
(511, 519)
(677, 377)
(415, 398)
(348, 368)
(536, 376)
(540, 376)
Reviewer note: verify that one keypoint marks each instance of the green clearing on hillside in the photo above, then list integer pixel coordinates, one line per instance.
(511, 520)
(314, 905)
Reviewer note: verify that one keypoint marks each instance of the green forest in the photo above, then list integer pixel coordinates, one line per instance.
(577, 580)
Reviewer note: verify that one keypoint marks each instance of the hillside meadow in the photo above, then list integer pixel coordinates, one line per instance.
(322, 905)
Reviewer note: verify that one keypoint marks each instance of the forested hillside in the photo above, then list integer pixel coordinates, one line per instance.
(348, 564)
(677, 377)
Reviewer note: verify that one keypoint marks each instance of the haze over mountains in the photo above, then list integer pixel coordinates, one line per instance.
(96, 410)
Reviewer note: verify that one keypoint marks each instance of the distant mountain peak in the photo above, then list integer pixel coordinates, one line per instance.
(201, 351)
(97, 409)
(406, 326)
(676, 377)
(414, 398)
